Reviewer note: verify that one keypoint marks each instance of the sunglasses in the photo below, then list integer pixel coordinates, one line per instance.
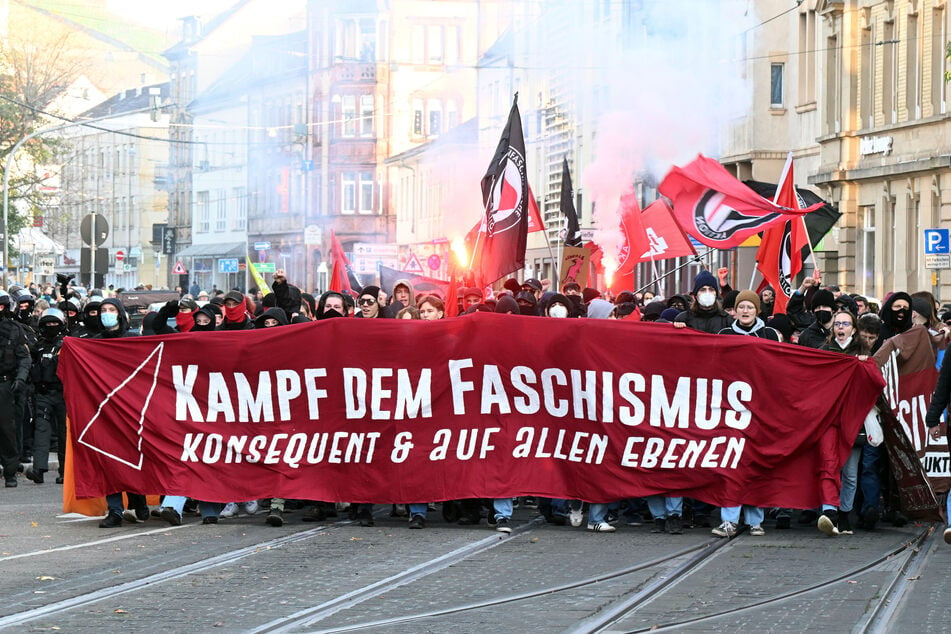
(842, 323)
(367, 301)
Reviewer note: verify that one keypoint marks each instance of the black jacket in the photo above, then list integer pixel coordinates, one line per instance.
(712, 321)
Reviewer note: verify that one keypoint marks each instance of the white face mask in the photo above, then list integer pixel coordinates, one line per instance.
(706, 299)
(557, 311)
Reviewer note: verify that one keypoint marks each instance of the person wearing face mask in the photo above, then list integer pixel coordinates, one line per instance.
(48, 402)
(559, 306)
(835, 518)
(114, 324)
(704, 313)
(15, 364)
(236, 312)
(527, 304)
(331, 304)
(896, 317)
(818, 332)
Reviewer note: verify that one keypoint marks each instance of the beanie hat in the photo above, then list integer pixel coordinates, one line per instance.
(781, 323)
(506, 304)
(729, 300)
(653, 310)
(372, 291)
(590, 293)
(823, 297)
(705, 278)
(923, 307)
(748, 296)
(669, 314)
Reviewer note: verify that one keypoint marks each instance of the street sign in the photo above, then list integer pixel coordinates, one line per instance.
(168, 240)
(120, 255)
(262, 246)
(938, 261)
(178, 269)
(413, 265)
(265, 267)
(93, 229)
(937, 241)
(228, 265)
(313, 235)
(45, 266)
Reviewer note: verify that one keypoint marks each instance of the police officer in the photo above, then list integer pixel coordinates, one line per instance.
(24, 302)
(49, 406)
(14, 371)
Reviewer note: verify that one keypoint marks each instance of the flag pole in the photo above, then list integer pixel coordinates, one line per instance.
(691, 260)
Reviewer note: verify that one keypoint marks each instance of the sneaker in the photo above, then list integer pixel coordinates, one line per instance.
(726, 529)
(660, 525)
(635, 520)
(845, 524)
(612, 517)
(576, 517)
(171, 516)
(783, 522)
(502, 525)
(601, 527)
(230, 510)
(417, 521)
(210, 519)
(251, 507)
(112, 520)
(136, 516)
(530, 503)
(11, 481)
(757, 531)
(59, 479)
(870, 518)
(275, 517)
(674, 525)
(399, 510)
(827, 523)
(947, 536)
(35, 475)
(365, 518)
(314, 514)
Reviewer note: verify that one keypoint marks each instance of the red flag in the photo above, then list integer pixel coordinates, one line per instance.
(718, 210)
(635, 238)
(505, 194)
(338, 277)
(666, 238)
(779, 257)
(535, 222)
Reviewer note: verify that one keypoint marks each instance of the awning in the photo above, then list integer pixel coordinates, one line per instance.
(33, 240)
(215, 250)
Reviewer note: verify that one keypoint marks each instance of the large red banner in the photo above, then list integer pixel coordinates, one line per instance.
(484, 405)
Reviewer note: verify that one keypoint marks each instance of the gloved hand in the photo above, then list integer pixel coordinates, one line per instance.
(171, 308)
(62, 278)
(18, 386)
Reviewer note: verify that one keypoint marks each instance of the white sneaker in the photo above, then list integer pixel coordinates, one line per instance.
(230, 510)
(601, 527)
(826, 526)
(726, 529)
(576, 517)
(757, 531)
(251, 507)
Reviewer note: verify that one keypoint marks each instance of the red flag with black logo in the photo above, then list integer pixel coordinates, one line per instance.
(504, 232)
(635, 238)
(717, 209)
(779, 257)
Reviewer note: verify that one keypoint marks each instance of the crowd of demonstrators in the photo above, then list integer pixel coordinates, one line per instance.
(35, 320)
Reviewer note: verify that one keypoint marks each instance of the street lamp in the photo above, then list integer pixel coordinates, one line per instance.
(6, 175)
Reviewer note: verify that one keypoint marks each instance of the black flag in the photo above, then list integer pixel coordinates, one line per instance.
(504, 231)
(567, 203)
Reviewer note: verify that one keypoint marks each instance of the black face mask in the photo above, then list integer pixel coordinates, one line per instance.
(25, 314)
(50, 331)
(331, 314)
(204, 328)
(823, 316)
(526, 310)
(899, 319)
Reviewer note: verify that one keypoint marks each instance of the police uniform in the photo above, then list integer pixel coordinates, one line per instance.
(14, 371)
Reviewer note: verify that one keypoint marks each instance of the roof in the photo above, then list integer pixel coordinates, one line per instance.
(132, 100)
(214, 250)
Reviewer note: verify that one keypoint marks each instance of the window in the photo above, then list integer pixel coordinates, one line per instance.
(889, 74)
(435, 122)
(367, 40)
(419, 44)
(867, 88)
(349, 115)
(912, 66)
(366, 192)
(204, 212)
(366, 115)
(434, 45)
(938, 38)
(241, 208)
(833, 90)
(866, 249)
(453, 44)
(776, 85)
(221, 207)
(452, 116)
(348, 193)
(417, 117)
(807, 57)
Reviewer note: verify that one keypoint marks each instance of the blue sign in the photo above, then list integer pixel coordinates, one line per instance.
(228, 265)
(262, 246)
(937, 241)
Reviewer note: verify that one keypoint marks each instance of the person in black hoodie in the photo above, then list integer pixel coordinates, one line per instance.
(114, 324)
(704, 313)
(287, 296)
(236, 312)
(817, 333)
(896, 317)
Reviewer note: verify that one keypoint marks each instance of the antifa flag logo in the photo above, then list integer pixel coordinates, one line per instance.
(785, 261)
(507, 193)
(718, 222)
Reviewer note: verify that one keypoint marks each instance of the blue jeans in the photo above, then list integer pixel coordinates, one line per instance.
(176, 502)
(753, 515)
(418, 508)
(662, 507)
(850, 477)
(870, 481)
(597, 513)
(502, 507)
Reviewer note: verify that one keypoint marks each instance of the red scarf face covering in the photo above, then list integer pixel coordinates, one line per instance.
(184, 321)
(236, 313)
